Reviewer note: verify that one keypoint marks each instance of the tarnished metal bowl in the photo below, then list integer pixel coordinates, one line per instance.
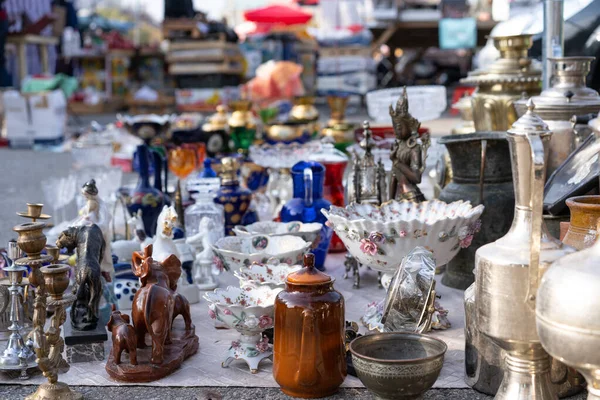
(398, 365)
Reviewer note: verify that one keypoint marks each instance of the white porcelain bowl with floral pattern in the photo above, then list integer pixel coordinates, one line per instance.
(234, 252)
(309, 232)
(380, 236)
(248, 310)
(271, 274)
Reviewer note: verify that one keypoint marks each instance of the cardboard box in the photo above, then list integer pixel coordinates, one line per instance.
(35, 118)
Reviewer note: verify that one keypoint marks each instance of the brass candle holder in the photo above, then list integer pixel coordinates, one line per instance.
(52, 280)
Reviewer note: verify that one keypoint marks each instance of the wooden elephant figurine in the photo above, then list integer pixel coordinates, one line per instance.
(123, 336)
(154, 303)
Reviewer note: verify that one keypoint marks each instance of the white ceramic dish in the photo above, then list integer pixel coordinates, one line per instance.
(271, 275)
(248, 310)
(234, 252)
(380, 236)
(309, 232)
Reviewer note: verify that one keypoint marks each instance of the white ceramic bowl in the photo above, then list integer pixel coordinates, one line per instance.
(248, 310)
(234, 252)
(380, 236)
(308, 232)
(271, 275)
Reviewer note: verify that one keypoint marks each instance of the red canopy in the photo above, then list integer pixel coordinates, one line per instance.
(278, 14)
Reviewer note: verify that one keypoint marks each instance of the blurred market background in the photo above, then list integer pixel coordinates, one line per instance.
(75, 72)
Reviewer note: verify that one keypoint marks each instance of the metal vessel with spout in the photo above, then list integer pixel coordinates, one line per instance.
(567, 96)
(508, 270)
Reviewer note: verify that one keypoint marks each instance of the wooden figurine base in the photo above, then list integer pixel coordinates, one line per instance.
(183, 345)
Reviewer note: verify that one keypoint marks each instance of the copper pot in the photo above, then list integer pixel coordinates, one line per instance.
(585, 214)
(309, 357)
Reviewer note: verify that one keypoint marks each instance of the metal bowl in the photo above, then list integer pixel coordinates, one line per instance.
(398, 365)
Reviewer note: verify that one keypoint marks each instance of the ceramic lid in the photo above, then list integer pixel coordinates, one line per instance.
(529, 123)
(308, 275)
(568, 94)
(229, 169)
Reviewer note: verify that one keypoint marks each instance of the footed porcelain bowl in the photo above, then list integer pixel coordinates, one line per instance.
(309, 232)
(380, 236)
(234, 252)
(248, 310)
(271, 275)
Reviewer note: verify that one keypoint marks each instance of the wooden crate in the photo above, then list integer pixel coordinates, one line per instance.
(163, 105)
(80, 108)
(180, 28)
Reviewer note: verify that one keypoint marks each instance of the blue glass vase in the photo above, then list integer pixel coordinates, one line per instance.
(146, 198)
(308, 178)
(234, 198)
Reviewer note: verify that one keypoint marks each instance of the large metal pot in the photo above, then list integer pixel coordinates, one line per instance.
(482, 175)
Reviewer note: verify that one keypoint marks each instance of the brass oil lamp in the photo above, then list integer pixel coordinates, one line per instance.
(567, 96)
(503, 83)
(242, 125)
(338, 128)
(304, 110)
(508, 270)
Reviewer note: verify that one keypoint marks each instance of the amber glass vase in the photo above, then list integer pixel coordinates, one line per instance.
(309, 358)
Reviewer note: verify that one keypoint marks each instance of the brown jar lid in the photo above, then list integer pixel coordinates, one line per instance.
(308, 275)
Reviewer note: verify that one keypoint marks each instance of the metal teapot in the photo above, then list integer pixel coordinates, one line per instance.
(508, 270)
(566, 310)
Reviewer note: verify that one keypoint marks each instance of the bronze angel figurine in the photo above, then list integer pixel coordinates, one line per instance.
(408, 154)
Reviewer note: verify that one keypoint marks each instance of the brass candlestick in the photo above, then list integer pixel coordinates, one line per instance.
(52, 280)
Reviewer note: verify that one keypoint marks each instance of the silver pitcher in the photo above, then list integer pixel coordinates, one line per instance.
(567, 310)
(567, 96)
(508, 270)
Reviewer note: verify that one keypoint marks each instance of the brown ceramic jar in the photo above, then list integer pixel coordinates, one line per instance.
(585, 214)
(309, 357)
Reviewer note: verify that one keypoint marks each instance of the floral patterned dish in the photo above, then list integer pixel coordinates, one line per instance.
(248, 310)
(272, 274)
(309, 232)
(234, 252)
(380, 236)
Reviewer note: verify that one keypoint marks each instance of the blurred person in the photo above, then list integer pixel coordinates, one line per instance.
(23, 14)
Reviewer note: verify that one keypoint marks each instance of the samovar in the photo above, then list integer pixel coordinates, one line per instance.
(508, 270)
(466, 124)
(503, 83)
(567, 304)
(567, 96)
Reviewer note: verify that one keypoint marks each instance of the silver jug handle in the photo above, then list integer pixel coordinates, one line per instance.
(538, 176)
